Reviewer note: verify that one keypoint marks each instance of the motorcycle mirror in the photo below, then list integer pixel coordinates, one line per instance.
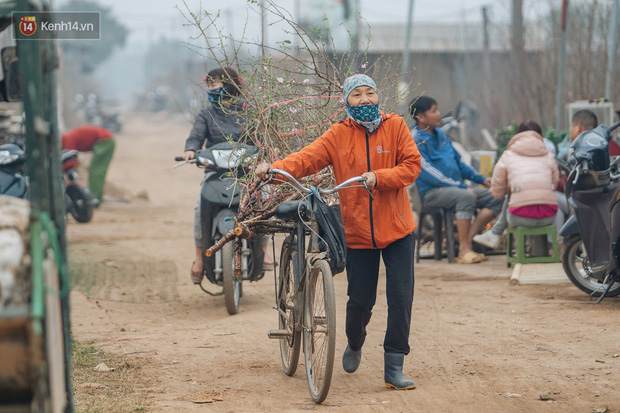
(611, 129)
(12, 83)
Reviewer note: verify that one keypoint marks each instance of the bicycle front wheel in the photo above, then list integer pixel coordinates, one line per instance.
(319, 330)
(289, 347)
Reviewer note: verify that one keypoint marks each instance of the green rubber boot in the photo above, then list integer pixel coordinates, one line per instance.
(351, 359)
(393, 376)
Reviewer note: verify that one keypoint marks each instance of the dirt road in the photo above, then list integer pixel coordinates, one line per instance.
(478, 343)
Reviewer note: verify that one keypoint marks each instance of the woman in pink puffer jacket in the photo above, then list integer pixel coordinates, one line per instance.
(528, 173)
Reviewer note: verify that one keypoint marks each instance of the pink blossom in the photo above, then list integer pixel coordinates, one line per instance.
(306, 81)
(292, 110)
(260, 88)
(280, 80)
(364, 65)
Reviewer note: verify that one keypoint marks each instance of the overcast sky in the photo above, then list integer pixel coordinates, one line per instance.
(148, 19)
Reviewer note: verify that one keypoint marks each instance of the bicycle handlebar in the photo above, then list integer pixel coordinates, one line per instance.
(294, 182)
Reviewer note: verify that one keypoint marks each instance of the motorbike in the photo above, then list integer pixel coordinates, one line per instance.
(13, 179)
(99, 115)
(219, 200)
(591, 253)
(79, 201)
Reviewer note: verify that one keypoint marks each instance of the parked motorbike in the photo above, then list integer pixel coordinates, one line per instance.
(99, 115)
(591, 253)
(219, 200)
(79, 201)
(13, 179)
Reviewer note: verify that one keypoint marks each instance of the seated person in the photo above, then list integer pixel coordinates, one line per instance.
(527, 171)
(441, 182)
(581, 121)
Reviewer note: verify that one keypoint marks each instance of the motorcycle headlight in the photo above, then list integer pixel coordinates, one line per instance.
(7, 157)
(594, 140)
(229, 158)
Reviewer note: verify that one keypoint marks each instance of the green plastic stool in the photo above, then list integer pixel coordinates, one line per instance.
(519, 233)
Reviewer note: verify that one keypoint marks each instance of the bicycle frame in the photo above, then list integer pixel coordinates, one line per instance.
(300, 268)
(305, 298)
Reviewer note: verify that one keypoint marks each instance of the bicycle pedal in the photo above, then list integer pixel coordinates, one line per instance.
(277, 334)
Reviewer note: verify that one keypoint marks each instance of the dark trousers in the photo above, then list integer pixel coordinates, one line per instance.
(363, 276)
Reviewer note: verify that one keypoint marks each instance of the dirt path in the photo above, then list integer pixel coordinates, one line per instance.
(478, 343)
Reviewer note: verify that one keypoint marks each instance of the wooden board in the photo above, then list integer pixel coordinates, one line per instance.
(551, 273)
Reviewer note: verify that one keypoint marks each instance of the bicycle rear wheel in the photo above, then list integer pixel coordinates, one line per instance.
(319, 330)
(289, 347)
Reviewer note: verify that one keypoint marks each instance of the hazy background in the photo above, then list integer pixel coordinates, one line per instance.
(147, 66)
(152, 22)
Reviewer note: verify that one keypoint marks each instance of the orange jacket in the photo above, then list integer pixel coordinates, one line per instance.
(391, 153)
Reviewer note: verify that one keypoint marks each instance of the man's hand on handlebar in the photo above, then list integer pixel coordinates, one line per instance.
(262, 170)
(187, 155)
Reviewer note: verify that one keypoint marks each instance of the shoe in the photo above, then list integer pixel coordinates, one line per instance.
(351, 359)
(393, 376)
(469, 258)
(196, 276)
(488, 239)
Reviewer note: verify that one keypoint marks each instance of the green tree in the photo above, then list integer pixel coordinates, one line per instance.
(90, 54)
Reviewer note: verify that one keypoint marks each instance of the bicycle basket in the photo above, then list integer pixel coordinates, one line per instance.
(331, 230)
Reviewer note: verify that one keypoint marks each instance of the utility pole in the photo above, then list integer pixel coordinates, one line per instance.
(517, 31)
(356, 27)
(407, 50)
(517, 55)
(297, 13)
(263, 29)
(485, 55)
(559, 98)
(611, 52)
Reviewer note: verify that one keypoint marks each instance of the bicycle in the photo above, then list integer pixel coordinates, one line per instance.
(305, 297)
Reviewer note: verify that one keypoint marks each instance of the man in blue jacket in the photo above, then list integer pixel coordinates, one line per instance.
(441, 182)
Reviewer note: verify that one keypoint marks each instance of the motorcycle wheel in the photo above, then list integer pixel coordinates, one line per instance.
(231, 281)
(112, 126)
(575, 266)
(81, 203)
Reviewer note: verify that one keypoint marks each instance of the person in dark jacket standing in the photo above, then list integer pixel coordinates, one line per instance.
(220, 121)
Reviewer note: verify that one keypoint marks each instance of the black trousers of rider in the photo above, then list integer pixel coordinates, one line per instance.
(363, 277)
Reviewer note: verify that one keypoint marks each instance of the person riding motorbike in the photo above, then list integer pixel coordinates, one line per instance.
(220, 121)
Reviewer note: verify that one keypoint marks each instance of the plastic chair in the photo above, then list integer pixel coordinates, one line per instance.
(441, 217)
(519, 233)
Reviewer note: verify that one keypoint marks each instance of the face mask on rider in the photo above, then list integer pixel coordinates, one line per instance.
(217, 94)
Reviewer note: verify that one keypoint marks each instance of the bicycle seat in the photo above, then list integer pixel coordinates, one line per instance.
(290, 210)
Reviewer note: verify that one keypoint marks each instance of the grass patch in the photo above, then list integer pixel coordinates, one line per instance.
(123, 390)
